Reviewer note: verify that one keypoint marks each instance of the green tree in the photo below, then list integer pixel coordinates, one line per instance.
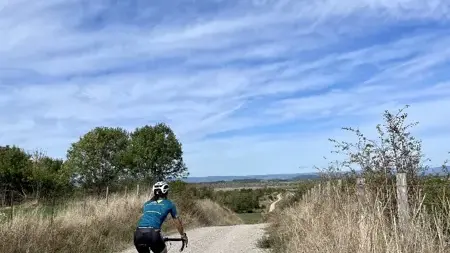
(97, 159)
(15, 169)
(394, 150)
(48, 177)
(156, 154)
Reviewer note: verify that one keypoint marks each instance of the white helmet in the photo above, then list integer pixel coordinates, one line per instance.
(163, 187)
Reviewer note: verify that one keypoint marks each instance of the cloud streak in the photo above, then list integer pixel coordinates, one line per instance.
(248, 86)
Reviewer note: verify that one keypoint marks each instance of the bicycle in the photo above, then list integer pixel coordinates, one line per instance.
(173, 239)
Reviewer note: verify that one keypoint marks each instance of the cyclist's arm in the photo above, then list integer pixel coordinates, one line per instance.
(179, 225)
(176, 219)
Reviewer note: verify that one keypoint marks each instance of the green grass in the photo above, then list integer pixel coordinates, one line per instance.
(251, 218)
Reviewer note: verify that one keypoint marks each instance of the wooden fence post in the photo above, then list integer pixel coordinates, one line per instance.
(4, 197)
(402, 200)
(137, 190)
(12, 206)
(126, 192)
(360, 189)
(84, 201)
(52, 211)
(337, 188)
(107, 194)
(316, 192)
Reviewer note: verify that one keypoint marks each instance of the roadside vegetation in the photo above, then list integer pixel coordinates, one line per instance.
(294, 195)
(337, 221)
(257, 183)
(246, 200)
(250, 204)
(90, 202)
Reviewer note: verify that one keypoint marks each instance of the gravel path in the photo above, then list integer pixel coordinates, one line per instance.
(272, 206)
(220, 239)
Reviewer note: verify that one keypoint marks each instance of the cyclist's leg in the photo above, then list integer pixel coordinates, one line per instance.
(142, 248)
(159, 249)
(157, 243)
(141, 241)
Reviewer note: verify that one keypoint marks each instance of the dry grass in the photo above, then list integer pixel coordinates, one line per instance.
(338, 223)
(94, 226)
(211, 213)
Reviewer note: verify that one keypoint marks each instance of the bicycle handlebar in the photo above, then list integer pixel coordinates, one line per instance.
(177, 240)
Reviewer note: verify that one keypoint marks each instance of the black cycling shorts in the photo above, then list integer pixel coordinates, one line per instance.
(148, 238)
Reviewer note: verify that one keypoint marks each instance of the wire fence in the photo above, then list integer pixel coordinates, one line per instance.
(433, 193)
(13, 202)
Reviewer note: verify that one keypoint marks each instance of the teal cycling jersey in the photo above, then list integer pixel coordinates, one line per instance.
(155, 212)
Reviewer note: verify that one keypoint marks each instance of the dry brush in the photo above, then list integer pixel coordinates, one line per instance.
(93, 225)
(345, 221)
(340, 223)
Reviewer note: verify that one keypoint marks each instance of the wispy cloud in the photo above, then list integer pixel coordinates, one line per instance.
(248, 86)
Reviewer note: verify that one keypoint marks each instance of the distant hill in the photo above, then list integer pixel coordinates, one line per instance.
(210, 179)
(436, 170)
(268, 177)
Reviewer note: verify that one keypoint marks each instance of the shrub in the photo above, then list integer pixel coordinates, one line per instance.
(339, 223)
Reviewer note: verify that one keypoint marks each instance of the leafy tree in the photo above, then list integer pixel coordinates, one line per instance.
(241, 200)
(97, 159)
(15, 168)
(48, 177)
(156, 154)
(395, 150)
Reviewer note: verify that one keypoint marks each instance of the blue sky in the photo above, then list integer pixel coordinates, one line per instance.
(249, 87)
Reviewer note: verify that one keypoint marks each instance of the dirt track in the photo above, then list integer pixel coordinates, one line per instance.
(222, 239)
(272, 206)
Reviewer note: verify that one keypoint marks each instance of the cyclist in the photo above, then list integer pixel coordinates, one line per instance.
(148, 232)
